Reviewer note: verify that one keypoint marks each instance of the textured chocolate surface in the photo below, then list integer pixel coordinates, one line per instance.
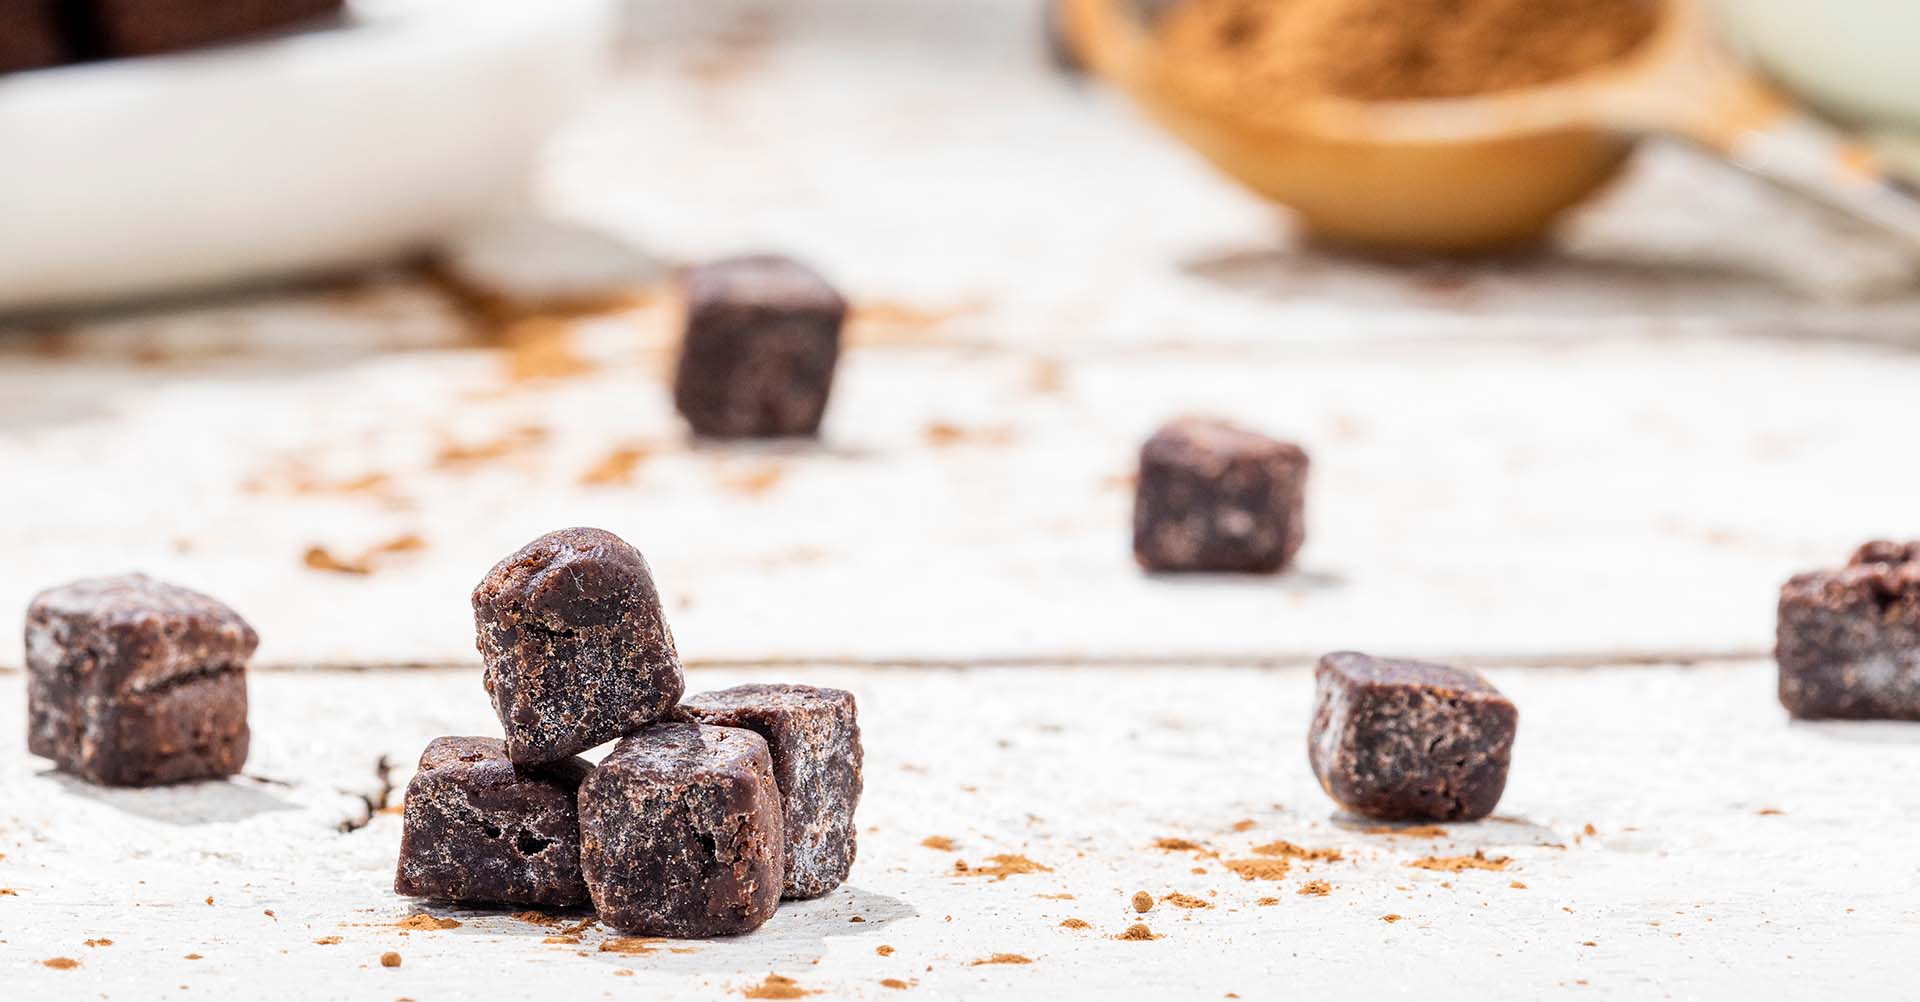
(135, 682)
(682, 832)
(814, 737)
(30, 35)
(576, 650)
(1409, 740)
(761, 343)
(1215, 497)
(1848, 641)
(478, 828)
(143, 27)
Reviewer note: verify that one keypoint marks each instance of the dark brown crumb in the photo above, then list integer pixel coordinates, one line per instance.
(537, 918)
(1002, 958)
(1389, 918)
(856, 918)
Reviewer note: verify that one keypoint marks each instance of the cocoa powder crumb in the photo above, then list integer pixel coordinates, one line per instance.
(1258, 869)
(883, 950)
(1264, 902)
(61, 963)
(1411, 831)
(1456, 864)
(99, 942)
(1003, 865)
(1171, 844)
(1389, 918)
(1074, 923)
(1142, 901)
(624, 972)
(421, 920)
(537, 918)
(776, 986)
(1516, 885)
(1315, 889)
(193, 956)
(1289, 850)
(1002, 958)
(327, 941)
(1245, 825)
(616, 468)
(1178, 900)
(389, 959)
(940, 842)
(631, 944)
(893, 983)
(1137, 933)
(8, 892)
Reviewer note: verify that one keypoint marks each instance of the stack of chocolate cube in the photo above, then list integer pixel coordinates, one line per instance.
(702, 818)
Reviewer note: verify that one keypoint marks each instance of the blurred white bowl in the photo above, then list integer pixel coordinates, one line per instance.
(1858, 58)
(311, 152)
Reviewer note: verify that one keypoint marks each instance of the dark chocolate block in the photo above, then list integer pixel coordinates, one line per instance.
(1215, 497)
(814, 737)
(136, 682)
(1848, 643)
(762, 339)
(682, 833)
(1408, 740)
(478, 828)
(144, 27)
(30, 35)
(577, 652)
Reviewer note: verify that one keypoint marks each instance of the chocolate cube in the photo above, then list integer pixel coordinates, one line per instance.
(144, 27)
(30, 35)
(1409, 740)
(682, 833)
(814, 737)
(1848, 643)
(576, 650)
(479, 828)
(1215, 497)
(761, 342)
(136, 682)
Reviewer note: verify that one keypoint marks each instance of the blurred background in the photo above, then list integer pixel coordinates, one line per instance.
(331, 305)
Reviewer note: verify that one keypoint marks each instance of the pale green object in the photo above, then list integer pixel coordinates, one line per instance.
(1852, 58)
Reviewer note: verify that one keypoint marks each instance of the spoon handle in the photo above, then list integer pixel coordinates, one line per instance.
(1811, 158)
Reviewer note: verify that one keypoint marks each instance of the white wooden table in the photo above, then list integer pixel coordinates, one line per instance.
(1589, 469)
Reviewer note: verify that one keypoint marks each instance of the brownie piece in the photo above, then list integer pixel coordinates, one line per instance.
(145, 27)
(814, 737)
(576, 650)
(761, 342)
(30, 35)
(681, 832)
(1848, 642)
(479, 828)
(136, 682)
(1215, 497)
(1409, 740)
